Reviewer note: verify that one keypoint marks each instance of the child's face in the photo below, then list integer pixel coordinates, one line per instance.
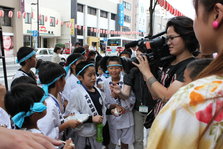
(32, 61)
(61, 83)
(187, 78)
(75, 64)
(100, 71)
(114, 71)
(89, 77)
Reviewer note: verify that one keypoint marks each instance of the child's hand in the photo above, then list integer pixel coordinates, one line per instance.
(114, 95)
(120, 109)
(97, 119)
(74, 123)
(69, 144)
(115, 88)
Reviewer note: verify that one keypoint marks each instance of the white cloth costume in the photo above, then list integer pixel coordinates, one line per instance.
(71, 83)
(81, 102)
(4, 119)
(19, 73)
(121, 127)
(50, 123)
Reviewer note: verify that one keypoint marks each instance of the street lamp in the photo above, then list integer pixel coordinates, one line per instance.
(38, 39)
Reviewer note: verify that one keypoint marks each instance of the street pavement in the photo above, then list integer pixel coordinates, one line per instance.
(11, 67)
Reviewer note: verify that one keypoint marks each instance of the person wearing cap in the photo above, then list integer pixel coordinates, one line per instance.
(26, 57)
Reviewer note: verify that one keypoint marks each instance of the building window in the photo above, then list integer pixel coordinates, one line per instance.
(80, 31)
(41, 20)
(127, 18)
(104, 14)
(90, 31)
(92, 11)
(28, 42)
(103, 35)
(52, 21)
(125, 29)
(28, 18)
(113, 16)
(127, 5)
(80, 8)
(114, 35)
(6, 21)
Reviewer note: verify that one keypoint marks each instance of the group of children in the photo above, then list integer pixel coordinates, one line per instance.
(42, 106)
(63, 92)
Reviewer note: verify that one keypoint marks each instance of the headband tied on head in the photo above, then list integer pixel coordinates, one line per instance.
(46, 86)
(26, 57)
(83, 52)
(91, 64)
(19, 118)
(114, 65)
(68, 67)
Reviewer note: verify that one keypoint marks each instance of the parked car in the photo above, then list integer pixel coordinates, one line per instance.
(46, 54)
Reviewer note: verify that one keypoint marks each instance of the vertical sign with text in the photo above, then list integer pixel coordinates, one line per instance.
(121, 14)
(72, 29)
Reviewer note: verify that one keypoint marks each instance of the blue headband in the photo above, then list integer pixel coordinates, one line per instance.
(114, 65)
(83, 52)
(19, 118)
(26, 57)
(68, 67)
(45, 87)
(91, 64)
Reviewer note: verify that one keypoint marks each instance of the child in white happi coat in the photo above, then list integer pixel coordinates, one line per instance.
(71, 79)
(26, 57)
(87, 99)
(121, 125)
(25, 103)
(52, 77)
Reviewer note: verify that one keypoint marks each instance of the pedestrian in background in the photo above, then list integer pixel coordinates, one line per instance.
(56, 55)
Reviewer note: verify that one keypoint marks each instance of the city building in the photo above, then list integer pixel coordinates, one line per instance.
(11, 25)
(49, 28)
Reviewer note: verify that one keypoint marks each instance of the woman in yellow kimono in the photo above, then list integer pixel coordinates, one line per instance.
(193, 117)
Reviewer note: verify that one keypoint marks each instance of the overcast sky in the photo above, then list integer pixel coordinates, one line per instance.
(185, 6)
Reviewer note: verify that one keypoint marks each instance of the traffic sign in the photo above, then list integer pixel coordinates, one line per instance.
(34, 33)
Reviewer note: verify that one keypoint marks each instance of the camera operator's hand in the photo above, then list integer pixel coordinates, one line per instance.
(143, 66)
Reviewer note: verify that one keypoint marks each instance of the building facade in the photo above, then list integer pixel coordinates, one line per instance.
(11, 25)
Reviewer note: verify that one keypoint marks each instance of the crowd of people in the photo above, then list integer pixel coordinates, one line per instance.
(93, 102)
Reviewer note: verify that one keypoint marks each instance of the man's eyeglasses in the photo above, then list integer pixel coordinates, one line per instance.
(171, 37)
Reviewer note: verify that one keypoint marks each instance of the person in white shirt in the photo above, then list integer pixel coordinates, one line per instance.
(52, 78)
(56, 55)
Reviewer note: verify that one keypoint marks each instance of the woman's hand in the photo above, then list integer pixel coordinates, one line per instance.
(20, 139)
(143, 66)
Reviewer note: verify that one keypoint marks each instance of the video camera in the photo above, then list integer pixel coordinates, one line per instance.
(154, 48)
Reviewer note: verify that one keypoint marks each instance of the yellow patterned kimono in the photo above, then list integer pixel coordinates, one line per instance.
(183, 122)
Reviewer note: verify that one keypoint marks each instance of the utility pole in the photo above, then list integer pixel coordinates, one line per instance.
(37, 22)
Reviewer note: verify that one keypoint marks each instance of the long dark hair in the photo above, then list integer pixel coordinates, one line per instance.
(184, 27)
